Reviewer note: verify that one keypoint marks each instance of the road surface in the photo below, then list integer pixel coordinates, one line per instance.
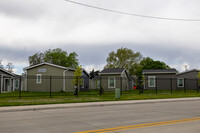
(167, 117)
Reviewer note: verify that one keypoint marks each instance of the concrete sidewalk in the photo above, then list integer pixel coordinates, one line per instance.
(90, 104)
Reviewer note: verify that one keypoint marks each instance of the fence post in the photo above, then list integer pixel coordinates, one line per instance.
(20, 80)
(156, 86)
(100, 89)
(0, 83)
(197, 85)
(121, 85)
(50, 86)
(184, 85)
(171, 84)
(77, 89)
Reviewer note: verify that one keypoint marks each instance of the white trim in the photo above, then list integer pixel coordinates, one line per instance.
(5, 84)
(64, 79)
(40, 78)
(158, 72)
(1, 82)
(7, 72)
(188, 71)
(45, 63)
(149, 77)
(109, 73)
(25, 83)
(109, 82)
(13, 84)
(178, 82)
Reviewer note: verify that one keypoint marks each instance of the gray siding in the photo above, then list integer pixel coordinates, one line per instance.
(190, 80)
(162, 81)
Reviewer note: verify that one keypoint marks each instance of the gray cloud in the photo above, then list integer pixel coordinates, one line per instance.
(37, 25)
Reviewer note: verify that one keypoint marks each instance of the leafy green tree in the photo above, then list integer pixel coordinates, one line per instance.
(148, 63)
(123, 58)
(77, 81)
(94, 73)
(35, 59)
(55, 56)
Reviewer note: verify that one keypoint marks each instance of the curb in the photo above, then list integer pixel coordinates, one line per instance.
(91, 104)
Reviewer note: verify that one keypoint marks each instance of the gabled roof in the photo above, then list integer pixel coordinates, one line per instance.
(86, 72)
(192, 70)
(9, 73)
(112, 71)
(152, 71)
(45, 63)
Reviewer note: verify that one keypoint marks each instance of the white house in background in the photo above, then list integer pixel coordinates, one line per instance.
(8, 81)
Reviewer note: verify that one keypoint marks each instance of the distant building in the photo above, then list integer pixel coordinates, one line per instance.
(8, 81)
(37, 78)
(114, 78)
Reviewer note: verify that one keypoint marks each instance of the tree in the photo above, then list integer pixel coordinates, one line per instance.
(10, 67)
(35, 59)
(94, 73)
(55, 56)
(148, 63)
(1, 66)
(123, 58)
(77, 81)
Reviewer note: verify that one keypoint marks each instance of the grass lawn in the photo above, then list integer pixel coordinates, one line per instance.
(36, 98)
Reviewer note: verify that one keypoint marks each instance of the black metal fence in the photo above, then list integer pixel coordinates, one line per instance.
(51, 86)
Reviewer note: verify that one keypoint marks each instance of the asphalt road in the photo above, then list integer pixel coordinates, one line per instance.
(94, 118)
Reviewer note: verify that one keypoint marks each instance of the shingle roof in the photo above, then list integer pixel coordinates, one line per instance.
(160, 71)
(12, 74)
(188, 71)
(112, 70)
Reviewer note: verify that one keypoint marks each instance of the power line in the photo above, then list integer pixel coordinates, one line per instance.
(131, 14)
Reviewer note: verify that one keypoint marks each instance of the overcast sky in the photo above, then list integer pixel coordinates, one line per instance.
(30, 26)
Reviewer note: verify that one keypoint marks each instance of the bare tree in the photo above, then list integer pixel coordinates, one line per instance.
(1, 66)
(10, 67)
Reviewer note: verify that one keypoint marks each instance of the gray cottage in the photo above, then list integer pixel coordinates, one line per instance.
(188, 79)
(45, 76)
(8, 81)
(159, 78)
(114, 78)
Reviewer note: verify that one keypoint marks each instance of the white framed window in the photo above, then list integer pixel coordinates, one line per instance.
(98, 84)
(16, 83)
(151, 81)
(39, 79)
(180, 82)
(111, 82)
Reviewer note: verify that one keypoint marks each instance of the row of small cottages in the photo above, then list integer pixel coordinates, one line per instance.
(170, 79)
(45, 76)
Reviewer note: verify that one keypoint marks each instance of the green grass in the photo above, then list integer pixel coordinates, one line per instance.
(36, 98)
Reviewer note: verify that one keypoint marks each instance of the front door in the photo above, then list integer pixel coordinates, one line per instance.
(6, 85)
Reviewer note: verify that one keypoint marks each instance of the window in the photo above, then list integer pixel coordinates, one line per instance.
(111, 82)
(180, 82)
(98, 84)
(42, 70)
(39, 78)
(16, 83)
(151, 81)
